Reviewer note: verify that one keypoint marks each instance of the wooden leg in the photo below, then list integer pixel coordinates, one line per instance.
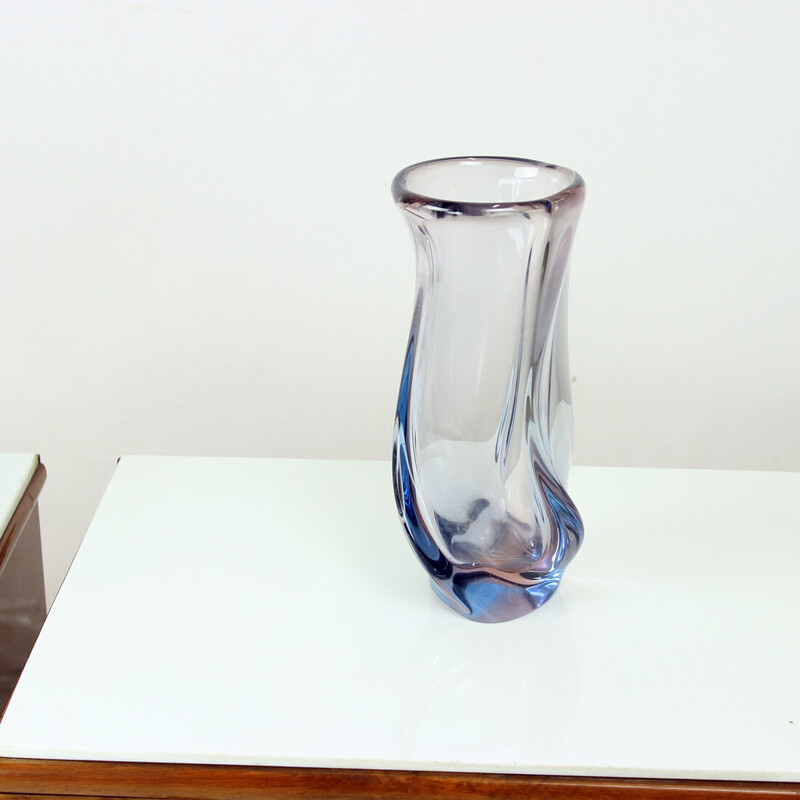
(22, 602)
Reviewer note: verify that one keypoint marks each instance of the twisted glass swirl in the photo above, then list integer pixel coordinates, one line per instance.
(483, 426)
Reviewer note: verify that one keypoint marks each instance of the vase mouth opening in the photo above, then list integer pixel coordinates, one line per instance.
(481, 185)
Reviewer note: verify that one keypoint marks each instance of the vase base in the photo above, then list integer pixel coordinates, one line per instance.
(482, 597)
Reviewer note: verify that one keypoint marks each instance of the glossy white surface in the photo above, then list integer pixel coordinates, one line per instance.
(16, 471)
(270, 612)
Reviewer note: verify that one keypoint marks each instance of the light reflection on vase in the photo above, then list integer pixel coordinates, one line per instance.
(483, 426)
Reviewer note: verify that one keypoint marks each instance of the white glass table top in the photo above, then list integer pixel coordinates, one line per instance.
(269, 612)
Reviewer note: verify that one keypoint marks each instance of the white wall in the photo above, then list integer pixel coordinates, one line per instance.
(200, 254)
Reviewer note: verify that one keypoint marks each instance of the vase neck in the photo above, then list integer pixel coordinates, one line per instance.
(489, 290)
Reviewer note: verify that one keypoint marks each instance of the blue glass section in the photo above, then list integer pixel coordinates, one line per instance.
(421, 541)
(490, 599)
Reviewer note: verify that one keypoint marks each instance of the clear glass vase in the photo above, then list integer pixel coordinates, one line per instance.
(482, 438)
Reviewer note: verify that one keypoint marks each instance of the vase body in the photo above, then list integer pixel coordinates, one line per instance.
(482, 438)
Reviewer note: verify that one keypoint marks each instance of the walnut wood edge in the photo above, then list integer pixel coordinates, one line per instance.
(27, 503)
(101, 779)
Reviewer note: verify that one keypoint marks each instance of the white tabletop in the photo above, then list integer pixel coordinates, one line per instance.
(269, 612)
(16, 471)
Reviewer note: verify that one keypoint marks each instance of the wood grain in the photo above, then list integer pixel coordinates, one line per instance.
(33, 778)
(23, 605)
(16, 524)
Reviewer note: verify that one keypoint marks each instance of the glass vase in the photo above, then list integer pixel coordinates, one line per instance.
(482, 437)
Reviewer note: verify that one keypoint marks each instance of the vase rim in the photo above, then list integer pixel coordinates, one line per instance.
(558, 184)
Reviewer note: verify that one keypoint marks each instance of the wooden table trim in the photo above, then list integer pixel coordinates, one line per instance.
(23, 604)
(44, 778)
(27, 503)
